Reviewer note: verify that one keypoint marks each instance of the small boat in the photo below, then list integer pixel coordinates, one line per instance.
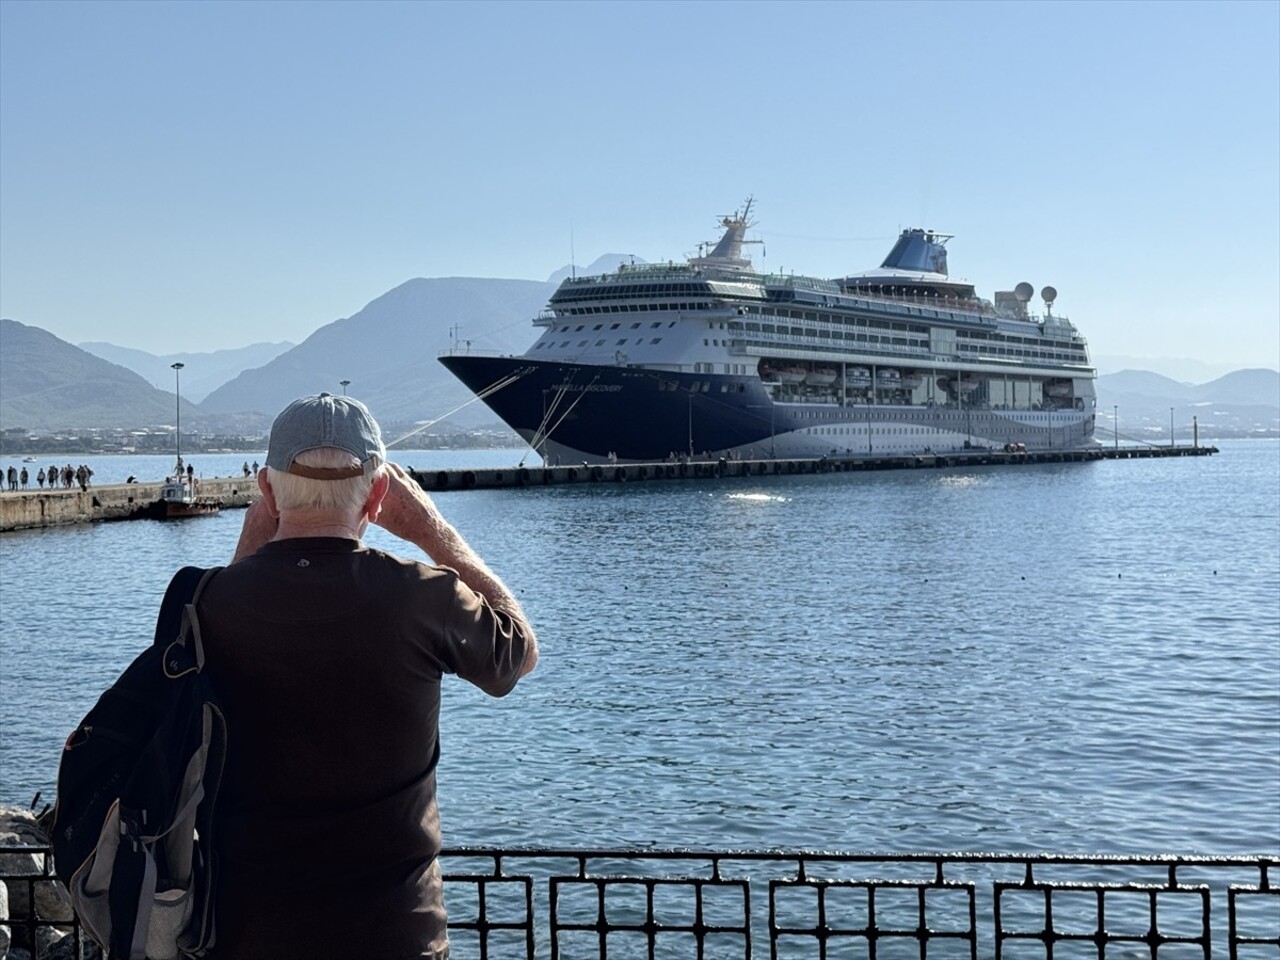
(911, 381)
(888, 378)
(28, 459)
(179, 495)
(179, 498)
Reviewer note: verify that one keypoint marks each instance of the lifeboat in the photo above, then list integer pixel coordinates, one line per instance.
(792, 374)
(912, 380)
(820, 376)
(889, 379)
(1059, 389)
(965, 385)
(858, 377)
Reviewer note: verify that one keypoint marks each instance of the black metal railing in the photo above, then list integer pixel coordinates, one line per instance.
(566, 904)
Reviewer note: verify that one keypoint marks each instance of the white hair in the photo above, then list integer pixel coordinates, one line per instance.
(326, 496)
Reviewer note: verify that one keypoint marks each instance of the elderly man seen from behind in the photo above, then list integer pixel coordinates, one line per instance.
(329, 656)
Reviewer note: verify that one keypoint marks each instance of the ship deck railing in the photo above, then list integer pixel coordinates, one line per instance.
(691, 904)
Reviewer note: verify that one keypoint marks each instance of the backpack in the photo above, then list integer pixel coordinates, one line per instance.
(133, 827)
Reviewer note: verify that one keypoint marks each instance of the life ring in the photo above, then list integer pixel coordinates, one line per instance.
(522, 477)
(597, 473)
(671, 469)
(573, 474)
(619, 474)
(469, 479)
(684, 469)
(442, 480)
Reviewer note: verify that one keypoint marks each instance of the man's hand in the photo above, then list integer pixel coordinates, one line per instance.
(259, 527)
(407, 512)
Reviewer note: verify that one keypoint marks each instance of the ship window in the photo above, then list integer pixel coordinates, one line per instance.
(597, 326)
(599, 343)
(578, 327)
(565, 343)
(655, 326)
(614, 326)
(621, 342)
(634, 325)
(671, 324)
(656, 340)
(582, 343)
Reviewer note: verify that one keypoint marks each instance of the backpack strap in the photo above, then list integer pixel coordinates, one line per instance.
(186, 653)
(181, 589)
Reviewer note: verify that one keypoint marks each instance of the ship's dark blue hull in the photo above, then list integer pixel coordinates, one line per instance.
(633, 413)
(597, 413)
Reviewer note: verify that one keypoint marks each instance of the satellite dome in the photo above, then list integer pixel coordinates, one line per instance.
(1023, 291)
(1049, 294)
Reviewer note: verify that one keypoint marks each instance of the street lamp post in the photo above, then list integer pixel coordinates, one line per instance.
(1115, 425)
(343, 384)
(177, 401)
(1171, 426)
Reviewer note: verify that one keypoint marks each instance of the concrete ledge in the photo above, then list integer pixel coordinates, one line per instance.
(34, 509)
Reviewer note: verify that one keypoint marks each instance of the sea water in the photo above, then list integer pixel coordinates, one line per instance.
(1064, 657)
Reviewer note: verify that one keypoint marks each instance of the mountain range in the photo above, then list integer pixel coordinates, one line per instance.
(202, 372)
(387, 353)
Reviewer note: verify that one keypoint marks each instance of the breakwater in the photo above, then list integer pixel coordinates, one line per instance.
(494, 477)
(34, 509)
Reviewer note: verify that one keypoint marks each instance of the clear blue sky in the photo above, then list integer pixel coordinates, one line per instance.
(192, 176)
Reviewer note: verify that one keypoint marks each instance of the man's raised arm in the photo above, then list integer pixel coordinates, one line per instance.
(408, 513)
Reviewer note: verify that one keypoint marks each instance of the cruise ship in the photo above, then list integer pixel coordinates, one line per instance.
(710, 359)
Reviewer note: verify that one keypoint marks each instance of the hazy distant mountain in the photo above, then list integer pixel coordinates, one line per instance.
(388, 351)
(203, 373)
(1246, 402)
(1182, 369)
(49, 384)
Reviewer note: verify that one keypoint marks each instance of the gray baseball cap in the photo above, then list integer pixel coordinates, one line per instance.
(325, 421)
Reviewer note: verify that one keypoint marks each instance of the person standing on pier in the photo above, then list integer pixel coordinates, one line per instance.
(40, 478)
(24, 477)
(328, 825)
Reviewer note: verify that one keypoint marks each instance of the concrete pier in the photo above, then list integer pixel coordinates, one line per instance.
(28, 509)
(32, 509)
(497, 477)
